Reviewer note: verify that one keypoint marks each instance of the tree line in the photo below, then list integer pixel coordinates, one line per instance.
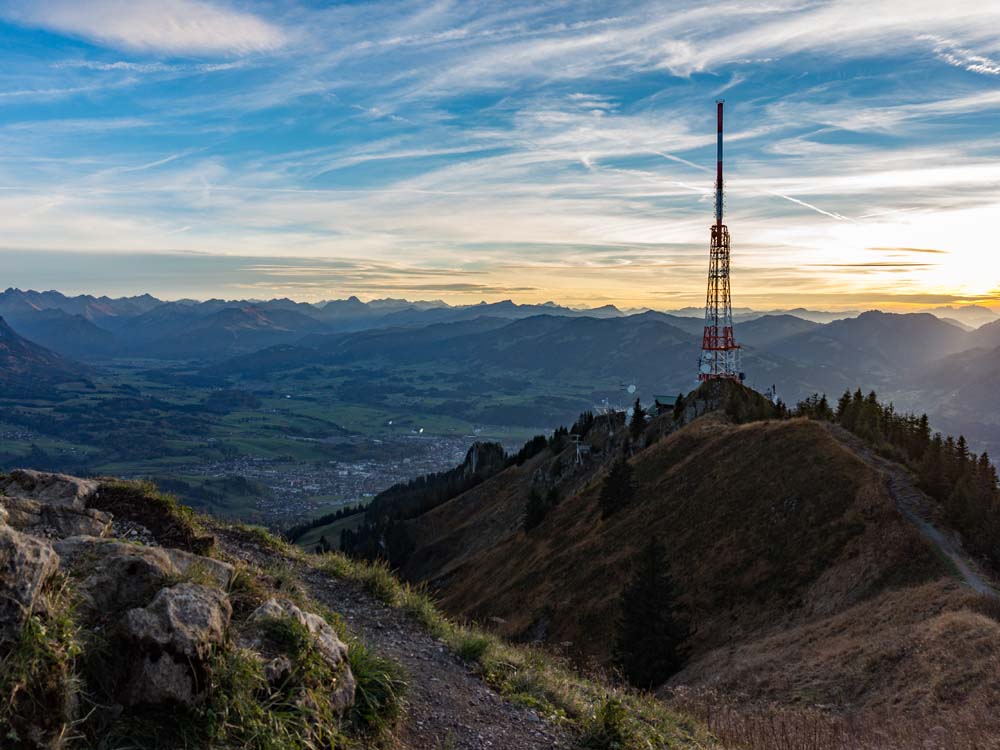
(964, 483)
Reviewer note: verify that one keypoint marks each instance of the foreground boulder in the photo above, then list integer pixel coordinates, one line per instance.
(26, 565)
(171, 642)
(51, 505)
(113, 576)
(50, 489)
(56, 521)
(280, 662)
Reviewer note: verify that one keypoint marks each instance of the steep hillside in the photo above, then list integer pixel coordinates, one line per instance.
(25, 365)
(971, 315)
(986, 336)
(550, 346)
(770, 328)
(69, 335)
(233, 330)
(883, 345)
(960, 393)
(780, 538)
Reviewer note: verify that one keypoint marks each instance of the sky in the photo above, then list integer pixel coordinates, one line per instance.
(470, 151)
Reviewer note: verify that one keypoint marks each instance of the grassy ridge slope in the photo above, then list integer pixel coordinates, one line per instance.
(802, 579)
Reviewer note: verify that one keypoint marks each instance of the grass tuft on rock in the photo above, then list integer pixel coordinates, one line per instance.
(38, 689)
(378, 697)
(173, 524)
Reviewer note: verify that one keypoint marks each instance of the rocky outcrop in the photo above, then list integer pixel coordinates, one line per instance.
(484, 460)
(26, 565)
(54, 521)
(170, 643)
(149, 621)
(112, 576)
(278, 662)
(50, 489)
(51, 505)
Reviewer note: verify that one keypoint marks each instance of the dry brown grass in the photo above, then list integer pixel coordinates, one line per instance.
(807, 587)
(771, 727)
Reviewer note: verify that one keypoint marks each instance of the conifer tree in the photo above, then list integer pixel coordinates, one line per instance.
(679, 407)
(843, 404)
(650, 635)
(638, 423)
(618, 490)
(534, 511)
(932, 469)
(823, 410)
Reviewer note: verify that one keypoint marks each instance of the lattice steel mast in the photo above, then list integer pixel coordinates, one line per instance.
(720, 354)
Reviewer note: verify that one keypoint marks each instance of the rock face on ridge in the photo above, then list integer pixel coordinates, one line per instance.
(52, 505)
(171, 641)
(148, 625)
(26, 566)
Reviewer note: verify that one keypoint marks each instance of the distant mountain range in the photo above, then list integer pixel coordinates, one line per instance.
(932, 361)
(89, 327)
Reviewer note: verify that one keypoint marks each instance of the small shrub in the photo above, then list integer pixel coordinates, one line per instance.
(245, 712)
(538, 506)
(473, 647)
(381, 583)
(267, 540)
(618, 489)
(609, 728)
(246, 592)
(378, 697)
(649, 634)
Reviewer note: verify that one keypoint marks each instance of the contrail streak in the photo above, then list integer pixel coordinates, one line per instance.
(817, 209)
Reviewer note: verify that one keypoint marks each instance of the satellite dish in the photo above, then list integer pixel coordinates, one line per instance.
(706, 368)
(630, 412)
(390, 422)
(421, 430)
(631, 389)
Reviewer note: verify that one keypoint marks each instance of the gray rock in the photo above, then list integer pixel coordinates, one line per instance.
(26, 565)
(113, 576)
(189, 564)
(50, 489)
(116, 575)
(277, 665)
(42, 519)
(4, 515)
(171, 642)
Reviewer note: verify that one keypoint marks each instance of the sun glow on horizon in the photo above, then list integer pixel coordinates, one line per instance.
(464, 153)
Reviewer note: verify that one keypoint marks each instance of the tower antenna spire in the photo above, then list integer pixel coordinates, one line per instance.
(720, 354)
(718, 166)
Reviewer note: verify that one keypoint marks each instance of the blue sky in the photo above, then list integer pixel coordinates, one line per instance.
(486, 150)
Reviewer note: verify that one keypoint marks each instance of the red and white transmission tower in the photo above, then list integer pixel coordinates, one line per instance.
(720, 354)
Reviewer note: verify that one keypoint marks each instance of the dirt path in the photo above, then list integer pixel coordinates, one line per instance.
(447, 706)
(916, 507)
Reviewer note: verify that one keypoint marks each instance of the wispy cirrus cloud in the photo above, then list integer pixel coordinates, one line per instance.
(167, 26)
(560, 150)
